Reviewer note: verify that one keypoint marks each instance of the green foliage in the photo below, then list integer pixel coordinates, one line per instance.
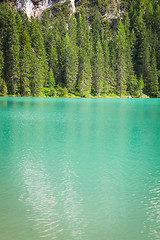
(61, 92)
(121, 50)
(108, 81)
(106, 48)
(46, 91)
(83, 32)
(37, 43)
(3, 88)
(96, 27)
(71, 67)
(51, 79)
(52, 92)
(98, 69)
(37, 79)
(84, 73)
(11, 55)
(139, 91)
(62, 9)
(25, 65)
(1, 60)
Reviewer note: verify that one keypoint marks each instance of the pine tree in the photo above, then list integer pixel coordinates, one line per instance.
(157, 37)
(1, 68)
(98, 69)
(45, 25)
(83, 32)
(84, 73)
(96, 27)
(37, 79)
(108, 83)
(60, 27)
(12, 71)
(106, 31)
(140, 86)
(131, 78)
(149, 14)
(146, 59)
(113, 63)
(1, 59)
(19, 26)
(141, 34)
(38, 46)
(52, 55)
(153, 81)
(72, 29)
(49, 34)
(71, 65)
(25, 65)
(122, 74)
(5, 13)
(51, 81)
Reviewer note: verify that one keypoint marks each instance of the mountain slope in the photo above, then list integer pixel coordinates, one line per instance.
(103, 48)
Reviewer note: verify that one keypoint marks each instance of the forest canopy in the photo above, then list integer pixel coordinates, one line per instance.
(105, 48)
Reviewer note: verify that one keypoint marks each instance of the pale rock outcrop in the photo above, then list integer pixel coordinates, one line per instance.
(35, 8)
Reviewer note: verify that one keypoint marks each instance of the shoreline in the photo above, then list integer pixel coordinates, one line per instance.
(75, 96)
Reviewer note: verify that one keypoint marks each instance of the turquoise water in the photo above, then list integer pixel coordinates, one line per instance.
(73, 169)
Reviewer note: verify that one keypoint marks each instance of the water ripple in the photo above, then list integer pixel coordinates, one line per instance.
(39, 198)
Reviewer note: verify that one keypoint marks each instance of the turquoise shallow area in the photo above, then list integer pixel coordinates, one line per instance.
(73, 169)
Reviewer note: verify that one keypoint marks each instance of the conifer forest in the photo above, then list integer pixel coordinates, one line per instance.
(104, 48)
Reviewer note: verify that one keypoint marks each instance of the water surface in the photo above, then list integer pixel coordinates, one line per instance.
(73, 169)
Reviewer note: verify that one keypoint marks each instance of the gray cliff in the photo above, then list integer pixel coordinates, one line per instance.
(35, 8)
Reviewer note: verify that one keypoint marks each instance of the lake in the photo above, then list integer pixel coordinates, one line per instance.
(79, 169)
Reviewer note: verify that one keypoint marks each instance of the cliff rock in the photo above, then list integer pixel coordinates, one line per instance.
(35, 8)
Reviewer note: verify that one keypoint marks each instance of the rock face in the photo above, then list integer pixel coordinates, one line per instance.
(35, 8)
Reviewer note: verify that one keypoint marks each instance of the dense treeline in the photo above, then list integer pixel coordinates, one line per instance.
(82, 54)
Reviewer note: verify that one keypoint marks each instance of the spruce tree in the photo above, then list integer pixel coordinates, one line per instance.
(39, 49)
(84, 73)
(60, 26)
(121, 48)
(146, 59)
(153, 81)
(96, 27)
(149, 14)
(52, 55)
(51, 81)
(19, 26)
(12, 71)
(25, 65)
(83, 32)
(71, 65)
(113, 63)
(37, 79)
(1, 68)
(108, 83)
(140, 86)
(1, 59)
(140, 49)
(49, 34)
(72, 29)
(106, 31)
(131, 78)
(98, 69)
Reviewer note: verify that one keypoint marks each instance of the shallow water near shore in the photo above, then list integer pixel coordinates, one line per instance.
(73, 169)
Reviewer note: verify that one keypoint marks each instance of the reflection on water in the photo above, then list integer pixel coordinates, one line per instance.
(152, 205)
(72, 202)
(79, 169)
(52, 208)
(39, 197)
